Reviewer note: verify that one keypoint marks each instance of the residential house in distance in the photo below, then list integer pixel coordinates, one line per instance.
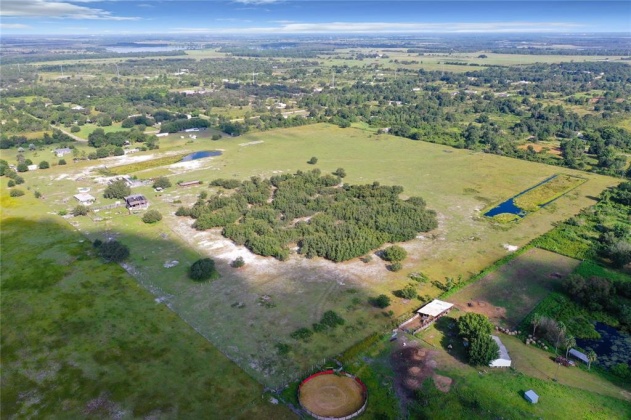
(85, 199)
(62, 151)
(136, 202)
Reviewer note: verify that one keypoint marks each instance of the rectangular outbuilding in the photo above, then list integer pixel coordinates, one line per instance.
(503, 359)
(531, 397)
(85, 199)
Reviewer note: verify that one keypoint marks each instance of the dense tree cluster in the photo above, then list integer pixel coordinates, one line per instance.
(117, 189)
(312, 210)
(476, 329)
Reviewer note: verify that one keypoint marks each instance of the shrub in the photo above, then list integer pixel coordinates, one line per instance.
(18, 180)
(80, 210)
(203, 269)
(394, 253)
(281, 348)
(408, 292)
(44, 165)
(152, 216)
(11, 183)
(22, 167)
(113, 251)
(312, 161)
(161, 182)
(62, 162)
(340, 172)
(117, 189)
(216, 137)
(238, 262)
(16, 193)
(381, 301)
(397, 266)
(97, 243)
(331, 319)
(62, 212)
(301, 334)
(75, 129)
(37, 194)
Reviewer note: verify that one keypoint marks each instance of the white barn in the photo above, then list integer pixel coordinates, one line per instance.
(504, 359)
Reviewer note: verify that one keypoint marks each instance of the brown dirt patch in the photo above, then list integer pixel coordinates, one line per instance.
(331, 395)
(553, 150)
(443, 383)
(494, 313)
(412, 366)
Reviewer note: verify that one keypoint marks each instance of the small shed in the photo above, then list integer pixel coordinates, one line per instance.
(85, 199)
(531, 397)
(578, 355)
(504, 359)
(136, 201)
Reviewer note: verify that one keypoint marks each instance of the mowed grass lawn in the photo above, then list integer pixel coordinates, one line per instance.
(82, 339)
(509, 293)
(229, 312)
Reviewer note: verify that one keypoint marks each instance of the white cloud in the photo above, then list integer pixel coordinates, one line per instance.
(257, 1)
(60, 9)
(394, 27)
(13, 26)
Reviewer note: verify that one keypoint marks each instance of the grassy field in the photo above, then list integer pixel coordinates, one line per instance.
(532, 368)
(510, 293)
(547, 192)
(81, 338)
(229, 312)
(87, 129)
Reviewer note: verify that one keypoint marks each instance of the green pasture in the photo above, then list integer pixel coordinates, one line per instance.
(509, 293)
(456, 183)
(87, 129)
(568, 389)
(81, 338)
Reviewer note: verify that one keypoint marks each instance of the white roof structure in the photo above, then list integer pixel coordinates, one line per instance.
(531, 396)
(84, 198)
(580, 356)
(504, 359)
(435, 308)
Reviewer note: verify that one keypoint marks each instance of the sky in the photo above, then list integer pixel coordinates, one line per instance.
(278, 17)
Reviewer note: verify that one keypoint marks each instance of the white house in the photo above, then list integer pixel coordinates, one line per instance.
(162, 134)
(85, 199)
(504, 359)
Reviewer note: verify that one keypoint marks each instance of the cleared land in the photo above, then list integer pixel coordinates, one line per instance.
(81, 339)
(332, 395)
(249, 310)
(510, 293)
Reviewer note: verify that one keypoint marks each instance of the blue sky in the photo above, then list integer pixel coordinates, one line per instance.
(170, 17)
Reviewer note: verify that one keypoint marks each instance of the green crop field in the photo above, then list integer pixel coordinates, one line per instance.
(81, 338)
(250, 310)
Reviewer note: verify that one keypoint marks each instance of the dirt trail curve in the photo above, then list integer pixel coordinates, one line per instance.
(77, 138)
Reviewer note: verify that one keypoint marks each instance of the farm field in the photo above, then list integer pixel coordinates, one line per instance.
(509, 293)
(249, 311)
(82, 338)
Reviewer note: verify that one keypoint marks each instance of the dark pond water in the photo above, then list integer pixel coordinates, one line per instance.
(509, 206)
(201, 155)
(612, 348)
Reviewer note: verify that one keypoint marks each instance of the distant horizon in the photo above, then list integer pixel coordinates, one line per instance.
(311, 17)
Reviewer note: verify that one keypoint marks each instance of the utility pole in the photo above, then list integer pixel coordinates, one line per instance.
(62, 70)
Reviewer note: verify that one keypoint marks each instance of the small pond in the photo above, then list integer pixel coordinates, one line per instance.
(612, 348)
(201, 155)
(509, 206)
